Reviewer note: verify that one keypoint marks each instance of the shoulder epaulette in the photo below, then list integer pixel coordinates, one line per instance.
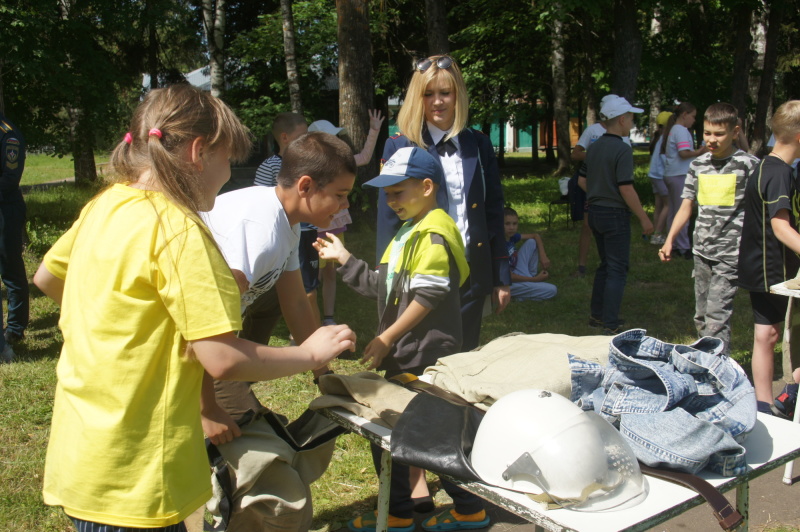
(5, 126)
(397, 136)
(479, 132)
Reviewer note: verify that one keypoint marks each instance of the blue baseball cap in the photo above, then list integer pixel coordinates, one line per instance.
(408, 163)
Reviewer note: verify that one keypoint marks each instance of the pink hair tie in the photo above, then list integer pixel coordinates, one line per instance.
(128, 138)
(155, 132)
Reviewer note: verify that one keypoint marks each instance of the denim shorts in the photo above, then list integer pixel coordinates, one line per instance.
(89, 526)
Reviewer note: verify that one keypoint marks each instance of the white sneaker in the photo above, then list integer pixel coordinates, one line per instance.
(328, 321)
(658, 240)
(7, 356)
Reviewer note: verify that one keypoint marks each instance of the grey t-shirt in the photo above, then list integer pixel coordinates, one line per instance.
(609, 164)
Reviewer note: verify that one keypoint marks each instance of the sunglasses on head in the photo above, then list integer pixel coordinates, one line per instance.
(444, 62)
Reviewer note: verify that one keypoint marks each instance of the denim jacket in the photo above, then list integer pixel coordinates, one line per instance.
(685, 407)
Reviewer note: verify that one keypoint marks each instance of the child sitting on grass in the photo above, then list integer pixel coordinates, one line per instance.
(527, 282)
(417, 288)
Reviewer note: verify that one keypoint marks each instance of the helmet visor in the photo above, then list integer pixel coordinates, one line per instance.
(587, 466)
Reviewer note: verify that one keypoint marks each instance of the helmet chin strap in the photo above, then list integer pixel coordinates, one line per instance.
(525, 467)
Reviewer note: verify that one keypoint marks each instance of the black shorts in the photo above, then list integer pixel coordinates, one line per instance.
(309, 260)
(768, 309)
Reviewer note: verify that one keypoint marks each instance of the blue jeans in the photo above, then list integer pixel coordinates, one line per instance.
(612, 233)
(12, 267)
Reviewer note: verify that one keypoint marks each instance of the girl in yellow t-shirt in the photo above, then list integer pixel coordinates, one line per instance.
(148, 312)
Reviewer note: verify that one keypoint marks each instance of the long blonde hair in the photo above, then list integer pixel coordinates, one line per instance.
(180, 113)
(411, 117)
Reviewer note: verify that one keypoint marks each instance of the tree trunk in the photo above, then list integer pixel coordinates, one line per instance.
(82, 149)
(535, 129)
(587, 67)
(549, 155)
(501, 148)
(765, 88)
(355, 74)
(742, 58)
(291, 60)
(627, 50)
(560, 96)
(656, 94)
(214, 28)
(81, 135)
(436, 15)
(758, 32)
(152, 44)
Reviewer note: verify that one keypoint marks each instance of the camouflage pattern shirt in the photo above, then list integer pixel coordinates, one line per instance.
(717, 186)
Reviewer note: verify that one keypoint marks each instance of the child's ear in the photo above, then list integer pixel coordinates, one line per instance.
(303, 186)
(197, 150)
(428, 187)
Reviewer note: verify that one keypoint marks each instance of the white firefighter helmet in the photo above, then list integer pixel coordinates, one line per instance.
(540, 443)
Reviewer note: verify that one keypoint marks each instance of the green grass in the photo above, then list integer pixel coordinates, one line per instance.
(41, 168)
(658, 297)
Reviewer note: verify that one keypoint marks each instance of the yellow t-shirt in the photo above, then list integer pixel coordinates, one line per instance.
(126, 445)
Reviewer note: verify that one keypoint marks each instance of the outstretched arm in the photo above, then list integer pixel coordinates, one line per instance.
(227, 357)
(375, 121)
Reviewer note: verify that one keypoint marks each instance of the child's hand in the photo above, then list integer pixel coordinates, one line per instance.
(333, 250)
(541, 276)
(665, 253)
(375, 119)
(376, 351)
(328, 342)
(218, 425)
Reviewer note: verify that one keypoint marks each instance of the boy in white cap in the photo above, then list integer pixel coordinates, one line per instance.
(588, 137)
(417, 289)
(612, 198)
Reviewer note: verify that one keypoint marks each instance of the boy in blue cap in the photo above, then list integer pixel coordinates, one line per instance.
(417, 288)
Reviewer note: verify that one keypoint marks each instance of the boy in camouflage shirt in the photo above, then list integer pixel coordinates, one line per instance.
(716, 181)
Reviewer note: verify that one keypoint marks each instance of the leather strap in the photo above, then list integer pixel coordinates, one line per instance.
(220, 468)
(727, 516)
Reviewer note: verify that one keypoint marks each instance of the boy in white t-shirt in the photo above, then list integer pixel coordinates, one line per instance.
(258, 230)
(587, 138)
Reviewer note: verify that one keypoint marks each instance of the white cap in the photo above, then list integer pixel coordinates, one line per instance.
(325, 127)
(618, 106)
(606, 98)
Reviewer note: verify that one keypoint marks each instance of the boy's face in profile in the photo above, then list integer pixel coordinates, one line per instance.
(626, 123)
(411, 199)
(719, 138)
(323, 203)
(511, 223)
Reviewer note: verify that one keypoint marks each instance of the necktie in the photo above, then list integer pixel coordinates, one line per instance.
(446, 147)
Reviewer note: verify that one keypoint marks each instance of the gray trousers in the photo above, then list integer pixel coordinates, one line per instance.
(714, 291)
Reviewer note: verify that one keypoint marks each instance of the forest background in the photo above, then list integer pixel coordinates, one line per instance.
(72, 70)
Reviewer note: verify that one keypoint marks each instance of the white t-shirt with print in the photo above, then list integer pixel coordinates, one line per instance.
(253, 232)
(594, 132)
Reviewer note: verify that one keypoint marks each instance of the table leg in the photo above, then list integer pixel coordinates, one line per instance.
(791, 360)
(384, 485)
(743, 505)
